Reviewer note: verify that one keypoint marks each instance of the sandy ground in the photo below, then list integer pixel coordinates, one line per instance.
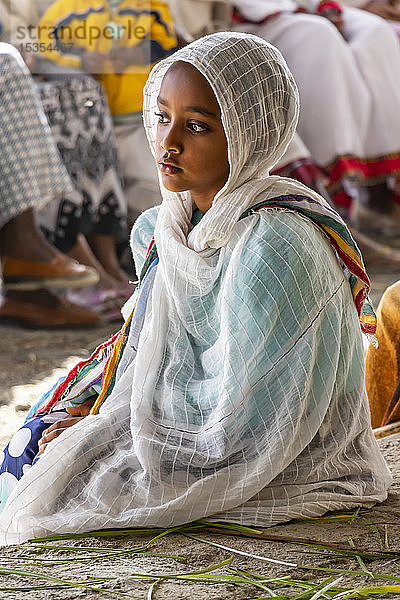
(30, 361)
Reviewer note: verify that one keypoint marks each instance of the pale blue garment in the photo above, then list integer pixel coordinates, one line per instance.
(281, 398)
(295, 355)
(139, 315)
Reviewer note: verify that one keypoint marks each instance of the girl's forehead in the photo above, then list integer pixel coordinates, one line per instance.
(181, 68)
(182, 81)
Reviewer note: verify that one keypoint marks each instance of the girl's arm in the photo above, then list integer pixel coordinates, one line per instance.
(77, 413)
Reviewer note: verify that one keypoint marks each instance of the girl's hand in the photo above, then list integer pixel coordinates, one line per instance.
(55, 430)
(82, 410)
(77, 414)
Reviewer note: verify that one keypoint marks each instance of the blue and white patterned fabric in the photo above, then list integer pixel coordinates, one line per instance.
(31, 171)
(22, 452)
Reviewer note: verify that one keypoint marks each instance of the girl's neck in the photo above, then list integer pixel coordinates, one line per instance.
(203, 201)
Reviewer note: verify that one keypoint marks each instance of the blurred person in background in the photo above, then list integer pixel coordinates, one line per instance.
(382, 376)
(387, 9)
(342, 58)
(31, 176)
(123, 39)
(346, 63)
(88, 222)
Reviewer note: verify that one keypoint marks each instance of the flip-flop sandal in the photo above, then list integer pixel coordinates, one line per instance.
(96, 299)
(107, 303)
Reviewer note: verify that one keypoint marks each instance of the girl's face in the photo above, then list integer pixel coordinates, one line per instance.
(192, 151)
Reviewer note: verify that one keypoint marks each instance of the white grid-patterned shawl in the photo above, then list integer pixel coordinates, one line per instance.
(242, 398)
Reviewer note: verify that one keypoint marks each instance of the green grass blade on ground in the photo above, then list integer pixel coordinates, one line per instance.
(119, 532)
(66, 582)
(359, 559)
(321, 593)
(376, 591)
(152, 587)
(353, 573)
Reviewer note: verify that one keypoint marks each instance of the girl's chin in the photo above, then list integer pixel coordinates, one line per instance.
(172, 186)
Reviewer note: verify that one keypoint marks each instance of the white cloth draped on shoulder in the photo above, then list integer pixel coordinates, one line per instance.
(240, 392)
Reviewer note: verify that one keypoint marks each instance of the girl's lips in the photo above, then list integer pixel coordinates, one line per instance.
(169, 169)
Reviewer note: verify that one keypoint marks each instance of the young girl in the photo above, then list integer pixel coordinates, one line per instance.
(235, 389)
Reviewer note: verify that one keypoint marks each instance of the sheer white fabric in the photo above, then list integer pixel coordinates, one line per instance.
(241, 396)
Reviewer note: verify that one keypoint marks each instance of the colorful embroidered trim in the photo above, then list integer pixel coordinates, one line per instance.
(372, 170)
(110, 372)
(77, 374)
(327, 5)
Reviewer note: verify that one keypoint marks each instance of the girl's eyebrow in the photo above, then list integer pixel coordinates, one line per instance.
(196, 109)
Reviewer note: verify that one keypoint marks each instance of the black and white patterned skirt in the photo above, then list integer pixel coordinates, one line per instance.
(82, 126)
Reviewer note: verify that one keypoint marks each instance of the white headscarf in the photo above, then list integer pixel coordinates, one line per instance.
(259, 105)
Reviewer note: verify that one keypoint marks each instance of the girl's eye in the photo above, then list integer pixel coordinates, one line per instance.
(161, 117)
(196, 128)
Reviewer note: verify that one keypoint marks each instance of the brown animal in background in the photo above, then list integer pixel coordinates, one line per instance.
(382, 376)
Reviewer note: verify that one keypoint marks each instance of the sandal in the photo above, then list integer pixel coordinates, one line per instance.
(105, 302)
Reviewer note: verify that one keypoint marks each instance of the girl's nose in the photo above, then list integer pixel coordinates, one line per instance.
(171, 142)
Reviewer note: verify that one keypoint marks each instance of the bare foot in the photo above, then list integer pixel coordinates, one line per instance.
(103, 247)
(84, 255)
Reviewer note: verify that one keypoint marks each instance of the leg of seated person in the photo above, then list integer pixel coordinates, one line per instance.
(83, 253)
(112, 290)
(31, 172)
(29, 262)
(31, 175)
(103, 247)
(377, 53)
(77, 110)
(21, 238)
